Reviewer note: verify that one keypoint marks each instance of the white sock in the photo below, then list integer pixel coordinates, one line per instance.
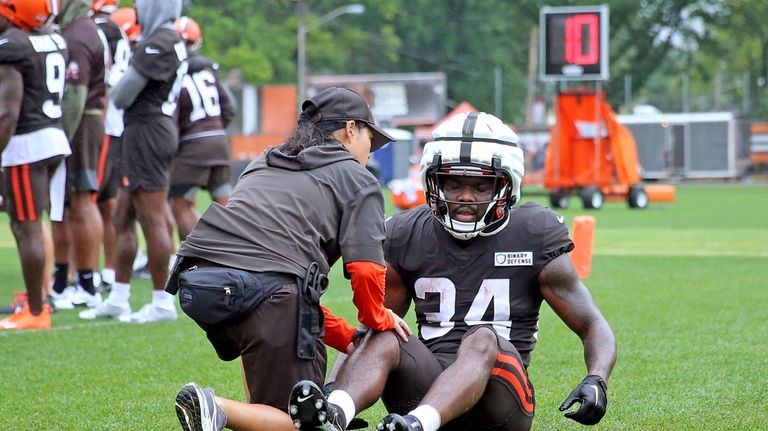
(163, 299)
(108, 275)
(428, 416)
(344, 401)
(121, 292)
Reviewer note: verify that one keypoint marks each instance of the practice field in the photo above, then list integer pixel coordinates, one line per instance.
(684, 286)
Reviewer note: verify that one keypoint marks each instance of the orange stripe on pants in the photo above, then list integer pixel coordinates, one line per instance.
(31, 210)
(17, 193)
(102, 167)
(521, 384)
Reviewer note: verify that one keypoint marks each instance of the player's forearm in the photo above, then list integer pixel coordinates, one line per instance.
(338, 333)
(7, 127)
(368, 295)
(73, 107)
(125, 92)
(600, 349)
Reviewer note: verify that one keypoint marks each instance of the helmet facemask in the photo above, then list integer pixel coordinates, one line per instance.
(474, 145)
(490, 214)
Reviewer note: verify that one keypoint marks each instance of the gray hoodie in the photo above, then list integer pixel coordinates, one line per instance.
(152, 15)
(155, 14)
(287, 211)
(71, 10)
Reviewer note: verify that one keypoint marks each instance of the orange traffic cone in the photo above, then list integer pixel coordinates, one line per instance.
(583, 235)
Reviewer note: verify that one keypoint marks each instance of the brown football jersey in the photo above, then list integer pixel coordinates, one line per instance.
(493, 280)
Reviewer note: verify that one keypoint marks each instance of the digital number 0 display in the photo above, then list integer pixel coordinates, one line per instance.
(574, 43)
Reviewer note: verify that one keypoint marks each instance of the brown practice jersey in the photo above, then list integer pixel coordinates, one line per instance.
(160, 57)
(491, 280)
(204, 107)
(204, 110)
(86, 60)
(41, 58)
(112, 33)
(119, 49)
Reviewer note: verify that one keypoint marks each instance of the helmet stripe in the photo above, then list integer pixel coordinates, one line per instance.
(467, 131)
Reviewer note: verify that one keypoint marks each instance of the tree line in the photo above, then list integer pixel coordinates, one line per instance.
(711, 52)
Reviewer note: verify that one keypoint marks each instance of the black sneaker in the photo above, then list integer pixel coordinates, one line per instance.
(310, 410)
(395, 422)
(197, 410)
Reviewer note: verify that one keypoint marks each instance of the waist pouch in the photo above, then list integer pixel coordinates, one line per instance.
(213, 295)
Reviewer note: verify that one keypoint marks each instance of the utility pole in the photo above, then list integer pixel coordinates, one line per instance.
(533, 54)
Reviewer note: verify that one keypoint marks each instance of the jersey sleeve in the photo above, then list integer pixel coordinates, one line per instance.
(11, 49)
(338, 333)
(156, 61)
(79, 65)
(362, 227)
(554, 237)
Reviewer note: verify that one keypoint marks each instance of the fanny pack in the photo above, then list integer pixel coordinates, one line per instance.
(212, 295)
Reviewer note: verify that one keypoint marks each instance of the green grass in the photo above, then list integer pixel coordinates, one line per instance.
(683, 285)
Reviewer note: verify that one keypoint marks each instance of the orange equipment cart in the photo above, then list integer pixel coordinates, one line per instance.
(591, 154)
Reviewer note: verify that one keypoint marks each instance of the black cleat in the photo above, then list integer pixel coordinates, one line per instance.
(197, 410)
(395, 422)
(310, 410)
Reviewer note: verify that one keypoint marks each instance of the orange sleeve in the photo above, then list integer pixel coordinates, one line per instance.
(338, 333)
(368, 294)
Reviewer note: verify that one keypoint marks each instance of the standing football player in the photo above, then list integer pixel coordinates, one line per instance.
(477, 267)
(118, 52)
(148, 91)
(205, 109)
(33, 63)
(83, 110)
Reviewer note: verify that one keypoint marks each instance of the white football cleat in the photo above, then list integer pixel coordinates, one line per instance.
(107, 310)
(79, 297)
(150, 313)
(63, 300)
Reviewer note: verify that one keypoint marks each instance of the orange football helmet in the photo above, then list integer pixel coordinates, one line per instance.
(190, 31)
(104, 6)
(125, 18)
(29, 15)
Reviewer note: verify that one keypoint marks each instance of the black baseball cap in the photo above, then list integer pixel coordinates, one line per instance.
(343, 104)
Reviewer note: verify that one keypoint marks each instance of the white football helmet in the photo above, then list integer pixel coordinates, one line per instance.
(476, 144)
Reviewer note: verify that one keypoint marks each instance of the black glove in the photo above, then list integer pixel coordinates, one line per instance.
(591, 393)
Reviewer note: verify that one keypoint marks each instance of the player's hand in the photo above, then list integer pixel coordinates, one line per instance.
(591, 393)
(401, 327)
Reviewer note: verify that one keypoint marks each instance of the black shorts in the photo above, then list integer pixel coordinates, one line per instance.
(201, 162)
(146, 152)
(266, 342)
(186, 179)
(108, 175)
(83, 164)
(507, 403)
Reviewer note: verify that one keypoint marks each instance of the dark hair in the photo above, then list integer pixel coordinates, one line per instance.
(310, 131)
